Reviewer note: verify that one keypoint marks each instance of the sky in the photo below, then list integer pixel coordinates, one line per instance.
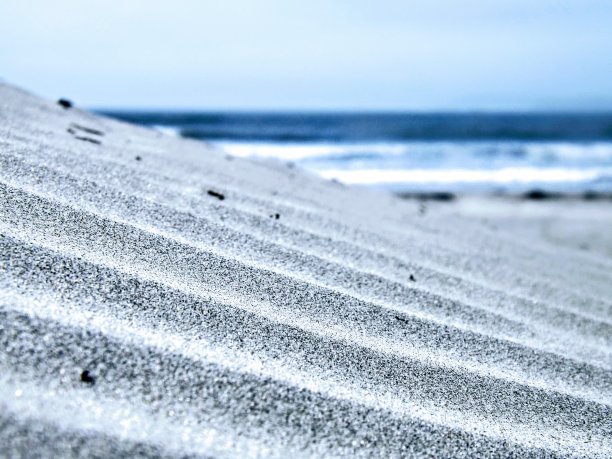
(312, 55)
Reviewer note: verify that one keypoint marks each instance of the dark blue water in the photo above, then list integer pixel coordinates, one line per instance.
(416, 152)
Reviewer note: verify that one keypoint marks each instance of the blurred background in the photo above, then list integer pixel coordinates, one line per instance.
(438, 96)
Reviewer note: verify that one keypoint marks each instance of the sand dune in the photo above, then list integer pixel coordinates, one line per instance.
(160, 298)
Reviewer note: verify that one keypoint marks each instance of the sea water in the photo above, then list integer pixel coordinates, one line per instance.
(416, 152)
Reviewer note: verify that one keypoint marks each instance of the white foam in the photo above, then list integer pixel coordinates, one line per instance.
(576, 152)
(302, 151)
(172, 131)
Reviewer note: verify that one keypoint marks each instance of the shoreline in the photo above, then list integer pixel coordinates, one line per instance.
(535, 194)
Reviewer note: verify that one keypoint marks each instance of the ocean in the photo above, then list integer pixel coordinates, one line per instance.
(415, 152)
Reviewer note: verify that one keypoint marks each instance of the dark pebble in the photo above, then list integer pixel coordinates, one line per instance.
(87, 378)
(217, 195)
(442, 196)
(65, 103)
(539, 195)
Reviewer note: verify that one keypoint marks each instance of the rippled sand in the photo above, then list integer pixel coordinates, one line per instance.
(160, 298)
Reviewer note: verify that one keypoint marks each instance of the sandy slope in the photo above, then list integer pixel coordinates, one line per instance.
(141, 315)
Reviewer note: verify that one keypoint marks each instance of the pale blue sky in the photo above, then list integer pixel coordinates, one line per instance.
(342, 55)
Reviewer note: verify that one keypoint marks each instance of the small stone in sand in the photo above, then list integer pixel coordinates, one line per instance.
(65, 103)
(216, 195)
(87, 378)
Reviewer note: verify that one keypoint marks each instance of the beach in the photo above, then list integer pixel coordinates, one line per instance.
(163, 298)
